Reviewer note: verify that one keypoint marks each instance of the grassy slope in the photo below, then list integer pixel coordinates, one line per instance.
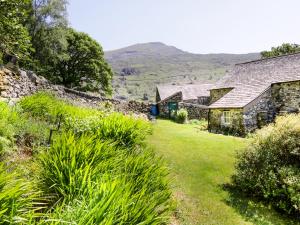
(200, 164)
(157, 63)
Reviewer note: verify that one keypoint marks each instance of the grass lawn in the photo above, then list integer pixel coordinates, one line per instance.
(201, 163)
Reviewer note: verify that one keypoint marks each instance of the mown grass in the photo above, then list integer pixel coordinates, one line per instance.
(97, 170)
(201, 164)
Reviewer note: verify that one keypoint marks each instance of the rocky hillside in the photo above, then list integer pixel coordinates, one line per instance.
(139, 68)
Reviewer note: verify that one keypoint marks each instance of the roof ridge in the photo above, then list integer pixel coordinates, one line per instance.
(274, 57)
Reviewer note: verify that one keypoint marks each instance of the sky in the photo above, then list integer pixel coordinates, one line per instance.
(197, 26)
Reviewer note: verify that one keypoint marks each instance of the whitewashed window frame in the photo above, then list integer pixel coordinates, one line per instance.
(226, 118)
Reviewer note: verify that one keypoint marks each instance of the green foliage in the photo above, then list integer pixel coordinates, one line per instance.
(17, 129)
(99, 182)
(98, 169)
(46, 106)
(269, 168)
(200, 162)
(201, 124)
(73, 164)
(283, 49)
(85, 66)
(47, 24)
(182, 116)
(14, 37)
(125, 130)
(16, 198)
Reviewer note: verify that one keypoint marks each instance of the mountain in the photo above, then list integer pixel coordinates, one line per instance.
(139, 68)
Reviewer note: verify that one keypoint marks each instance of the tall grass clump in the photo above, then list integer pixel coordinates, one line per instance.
(17, 198)
(269, 167)
(47, 106)
(73, 164)
(182, 116)
(100, 182)
(125, 130)
(17, 128)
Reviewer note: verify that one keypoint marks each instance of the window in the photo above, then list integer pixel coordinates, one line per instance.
(226, 118)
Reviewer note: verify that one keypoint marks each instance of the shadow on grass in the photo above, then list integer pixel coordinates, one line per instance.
(256, 211)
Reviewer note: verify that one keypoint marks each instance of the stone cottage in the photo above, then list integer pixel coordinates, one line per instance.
(252, 94)
(193, 97)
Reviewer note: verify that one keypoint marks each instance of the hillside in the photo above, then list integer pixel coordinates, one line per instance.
(139, 68)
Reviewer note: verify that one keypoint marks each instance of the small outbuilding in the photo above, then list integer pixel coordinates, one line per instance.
(252, 94)
(193, 97)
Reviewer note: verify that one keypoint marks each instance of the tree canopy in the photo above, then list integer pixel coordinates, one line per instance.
(14, 37)
(283, 49)
(84, 65)
(37, 32)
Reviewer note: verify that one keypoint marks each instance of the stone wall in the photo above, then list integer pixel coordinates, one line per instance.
(191, 101)
(17, 84)
(286, 97)
(235, 128)
(195, 111)
(216, 94)
(259, 112)
(163, 105)
(203, 100)
(14, 85)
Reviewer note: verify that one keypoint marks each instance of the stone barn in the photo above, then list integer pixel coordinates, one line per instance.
(252, 94)
(193, 97)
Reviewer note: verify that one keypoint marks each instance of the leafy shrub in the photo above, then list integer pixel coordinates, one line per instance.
(269, 168)
(202, 124)
(182, 116)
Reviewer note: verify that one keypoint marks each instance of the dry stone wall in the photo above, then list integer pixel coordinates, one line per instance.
(286, 97)
(14, 85)
(195, 111)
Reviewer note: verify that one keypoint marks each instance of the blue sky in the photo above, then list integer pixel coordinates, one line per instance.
(198, 26)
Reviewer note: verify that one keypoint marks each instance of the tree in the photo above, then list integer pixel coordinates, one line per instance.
(14, 37)
(283, 49)
(84, 66)
(48, 28)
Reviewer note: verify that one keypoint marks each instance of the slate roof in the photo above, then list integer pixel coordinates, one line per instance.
(189, 91)
(249, 80)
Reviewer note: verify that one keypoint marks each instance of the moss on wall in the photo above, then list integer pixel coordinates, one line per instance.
(236, 127)
(216, 94)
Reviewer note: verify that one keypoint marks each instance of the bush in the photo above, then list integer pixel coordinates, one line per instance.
(182, 116)
(269, 168)
(202, 124)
